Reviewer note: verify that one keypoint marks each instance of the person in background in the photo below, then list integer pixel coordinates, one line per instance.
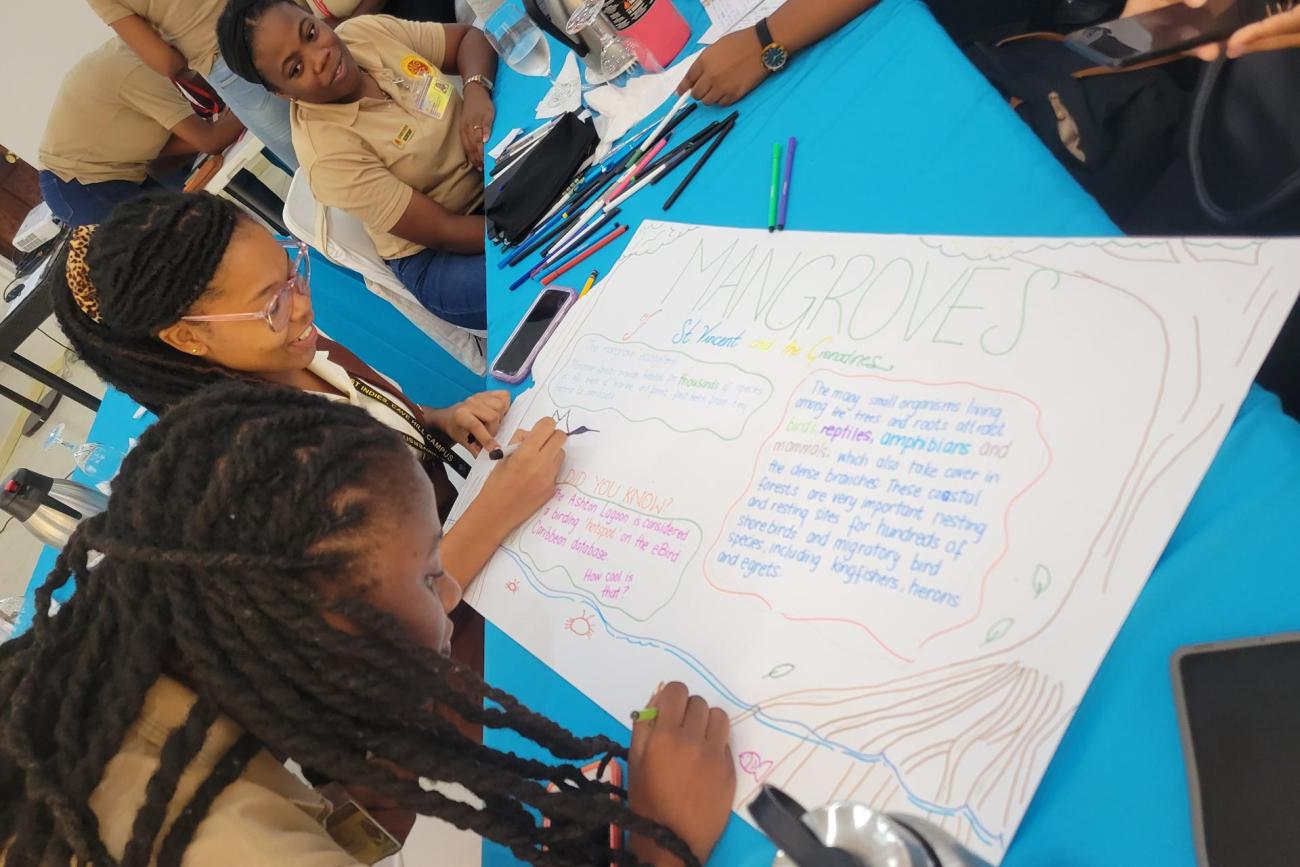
(739, 62)
(405, 160)
(112, 118)
(1279, 30)
(178, 40)
(175, 292)
(270, 588)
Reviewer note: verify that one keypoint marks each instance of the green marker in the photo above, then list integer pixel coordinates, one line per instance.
(776, 187)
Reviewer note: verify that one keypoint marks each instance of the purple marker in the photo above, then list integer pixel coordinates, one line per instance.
(785, 184)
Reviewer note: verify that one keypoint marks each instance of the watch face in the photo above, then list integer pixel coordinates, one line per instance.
(774, 57)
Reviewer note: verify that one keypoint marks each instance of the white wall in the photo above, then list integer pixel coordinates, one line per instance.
(39, 41)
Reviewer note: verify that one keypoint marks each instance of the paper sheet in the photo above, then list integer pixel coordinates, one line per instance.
(497, 151)
(728, 16)
(884, 499)
(618, 109)
(565, 94)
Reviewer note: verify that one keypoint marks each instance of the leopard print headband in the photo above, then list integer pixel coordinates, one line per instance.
(83, 290)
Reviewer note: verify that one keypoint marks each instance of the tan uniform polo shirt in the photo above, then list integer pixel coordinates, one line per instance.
(330, 8)
(189, 26)
(265, 818)
(370, 157)
(111, 118)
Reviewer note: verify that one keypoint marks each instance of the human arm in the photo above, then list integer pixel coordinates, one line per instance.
(473, 422)
(429, 224)
(1281, 30)
(151, 48)
(351, 176)
(177, 147)
(335, 12)
(203, 137)
(681, 774)
(515, 489)
(467, 54)
(730, 68)
(1277, 31)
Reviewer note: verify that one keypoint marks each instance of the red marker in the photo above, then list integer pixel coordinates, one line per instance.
(611, 236)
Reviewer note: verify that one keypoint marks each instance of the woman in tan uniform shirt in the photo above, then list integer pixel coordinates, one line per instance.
(407, 162)
(270, 589)
(112, 118)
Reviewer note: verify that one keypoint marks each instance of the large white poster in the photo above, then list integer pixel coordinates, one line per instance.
(886, 499)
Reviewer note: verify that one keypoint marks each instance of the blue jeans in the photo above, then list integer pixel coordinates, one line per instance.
(450, 286)
(265, 114)
(76, 204)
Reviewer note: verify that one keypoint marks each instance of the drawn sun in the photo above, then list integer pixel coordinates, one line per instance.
(512, 586)
(583, 626)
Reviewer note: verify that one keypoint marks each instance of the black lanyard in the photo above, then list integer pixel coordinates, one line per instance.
(435, 445)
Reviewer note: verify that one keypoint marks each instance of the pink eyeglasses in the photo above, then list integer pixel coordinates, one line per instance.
(279, 310)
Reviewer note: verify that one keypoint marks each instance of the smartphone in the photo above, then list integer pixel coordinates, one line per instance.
(1161, 32)
(1239, 712)
(515, 361)
(613, 775)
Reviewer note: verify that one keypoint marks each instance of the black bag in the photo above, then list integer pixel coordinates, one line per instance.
(1244, 140)
(1109, 128)
(521, 194)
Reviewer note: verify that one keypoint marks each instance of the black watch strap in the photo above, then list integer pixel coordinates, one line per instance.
(764, 34)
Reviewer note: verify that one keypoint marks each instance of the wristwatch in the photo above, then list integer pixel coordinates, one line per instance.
(775, 56)
(480, 79)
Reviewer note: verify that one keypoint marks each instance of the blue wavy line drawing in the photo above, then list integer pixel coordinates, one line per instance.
(792, 728)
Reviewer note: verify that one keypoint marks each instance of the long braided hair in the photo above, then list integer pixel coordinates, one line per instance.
(139, 272)
(239, 518)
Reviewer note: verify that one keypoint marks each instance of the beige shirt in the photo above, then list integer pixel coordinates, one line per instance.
(190, 26)
(265, 818)
(339, 378)
(330, 8)
(112, 116)
(370, 157)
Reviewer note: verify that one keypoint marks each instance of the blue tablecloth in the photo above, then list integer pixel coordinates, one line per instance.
(897, 133)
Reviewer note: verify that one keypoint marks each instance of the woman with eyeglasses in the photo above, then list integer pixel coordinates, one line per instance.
(178, 291)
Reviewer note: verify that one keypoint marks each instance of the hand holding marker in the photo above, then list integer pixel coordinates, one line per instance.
(502, 454)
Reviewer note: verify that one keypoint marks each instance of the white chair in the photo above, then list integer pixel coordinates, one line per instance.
(342, 239)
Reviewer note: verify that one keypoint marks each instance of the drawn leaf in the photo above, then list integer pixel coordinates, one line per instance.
(999, 629)
(1042, 579)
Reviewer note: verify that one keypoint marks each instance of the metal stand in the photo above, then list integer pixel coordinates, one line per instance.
(59, 384)
(40, 410)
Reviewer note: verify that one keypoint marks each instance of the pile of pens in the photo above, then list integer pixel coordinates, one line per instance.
(568, 234)
(779, 200)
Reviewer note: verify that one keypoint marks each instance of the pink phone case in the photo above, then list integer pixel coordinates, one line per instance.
(527, 366)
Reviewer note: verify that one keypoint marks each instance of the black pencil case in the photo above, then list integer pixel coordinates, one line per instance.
(518, 198)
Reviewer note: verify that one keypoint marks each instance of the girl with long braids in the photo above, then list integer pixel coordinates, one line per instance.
(270, 588)
(177, 291)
